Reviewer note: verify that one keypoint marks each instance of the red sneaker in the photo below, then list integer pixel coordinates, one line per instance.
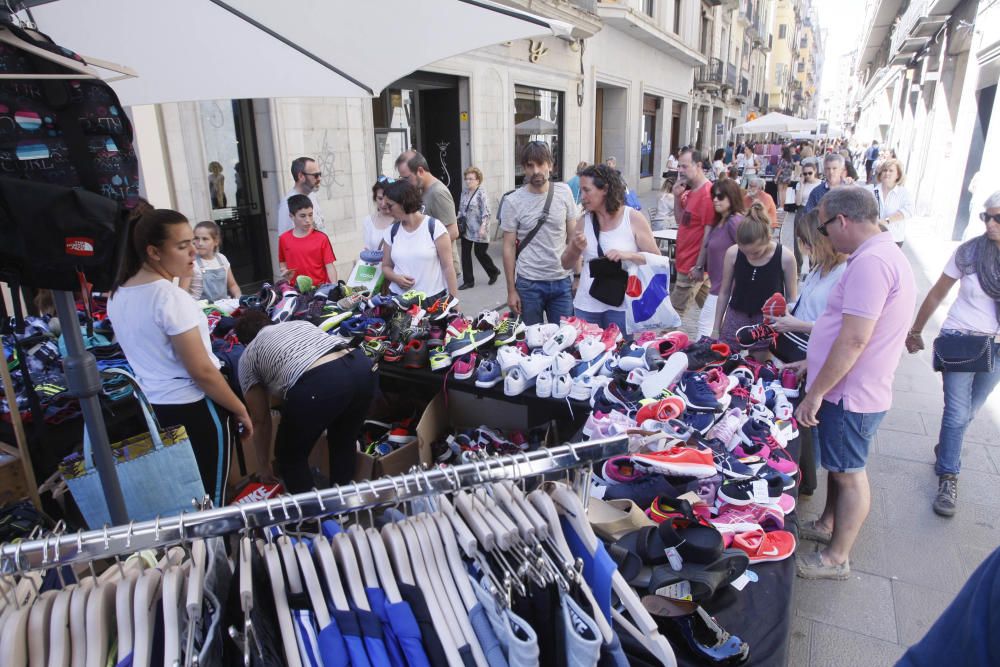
(775, 306)
(684, 461)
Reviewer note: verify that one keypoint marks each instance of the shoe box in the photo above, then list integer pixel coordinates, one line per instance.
(454, 411)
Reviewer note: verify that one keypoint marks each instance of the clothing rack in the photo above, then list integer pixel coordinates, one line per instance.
(112, 542)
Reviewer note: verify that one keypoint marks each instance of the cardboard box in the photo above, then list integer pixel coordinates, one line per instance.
(13, 485)
(464, 410)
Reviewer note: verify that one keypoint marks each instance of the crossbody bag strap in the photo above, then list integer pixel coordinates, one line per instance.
(541, 221)
(469, 203)
(597, 235)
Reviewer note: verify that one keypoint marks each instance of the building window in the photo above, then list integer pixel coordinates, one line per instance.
(804, 43)
(537, 117)
(782, 31)
(802, 67)
(706, 35)
(650, 109)
(677, 17)
(648, 7)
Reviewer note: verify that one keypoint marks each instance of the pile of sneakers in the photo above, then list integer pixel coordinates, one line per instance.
(379, 438)
(473, 444)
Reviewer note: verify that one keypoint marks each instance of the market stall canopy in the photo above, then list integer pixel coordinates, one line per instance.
(775, 122)
(536, 125)
(229, 49)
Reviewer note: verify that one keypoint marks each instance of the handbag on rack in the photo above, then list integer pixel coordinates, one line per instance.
(157, 471)
(609, 278)
(964, 353)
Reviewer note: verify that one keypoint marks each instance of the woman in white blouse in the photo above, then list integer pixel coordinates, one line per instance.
(895, 205)
(975, 266)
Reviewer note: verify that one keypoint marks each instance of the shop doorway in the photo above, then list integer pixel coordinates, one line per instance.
(611, 108)
(985, 97)
(423, 112)
(233, 172)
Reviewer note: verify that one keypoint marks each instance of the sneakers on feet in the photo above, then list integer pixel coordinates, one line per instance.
(947, 495)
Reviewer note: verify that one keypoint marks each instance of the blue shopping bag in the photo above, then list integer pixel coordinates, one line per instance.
(157, 471)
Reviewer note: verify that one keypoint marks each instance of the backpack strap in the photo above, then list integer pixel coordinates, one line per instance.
(431, 226)
(393, 231)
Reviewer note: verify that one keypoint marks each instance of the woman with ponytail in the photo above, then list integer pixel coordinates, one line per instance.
(165, 338)
(753, 270)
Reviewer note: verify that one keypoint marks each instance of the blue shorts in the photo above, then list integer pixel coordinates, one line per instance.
(845, 437)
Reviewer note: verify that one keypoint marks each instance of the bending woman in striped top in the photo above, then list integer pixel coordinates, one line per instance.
(325, 385)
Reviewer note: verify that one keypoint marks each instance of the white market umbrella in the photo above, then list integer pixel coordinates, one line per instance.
(775, 122)
(185, 50)
(536, 125)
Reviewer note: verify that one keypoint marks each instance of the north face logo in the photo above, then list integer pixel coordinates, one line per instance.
(80, 246)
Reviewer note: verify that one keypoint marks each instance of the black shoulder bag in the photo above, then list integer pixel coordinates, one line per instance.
(462, 224)
(964, 353)
(523, 243)
(609, 278)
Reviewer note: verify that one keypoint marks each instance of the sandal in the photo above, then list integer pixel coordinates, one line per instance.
(704, 580)
(687, 624)
(613, 519)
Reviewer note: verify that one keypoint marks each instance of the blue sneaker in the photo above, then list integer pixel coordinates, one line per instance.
(589, 368)
(631, 357)
(696, 393)
(699, 421)
(615, 396)
(355, 326)
(488, 374)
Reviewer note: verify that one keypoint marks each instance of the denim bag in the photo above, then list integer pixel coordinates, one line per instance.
(157, 471)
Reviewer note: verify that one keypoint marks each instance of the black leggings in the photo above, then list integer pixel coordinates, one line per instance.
(482, 254)
(334, 397)
(208, 428)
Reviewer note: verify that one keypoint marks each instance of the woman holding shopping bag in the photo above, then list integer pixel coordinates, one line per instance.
(608, 234)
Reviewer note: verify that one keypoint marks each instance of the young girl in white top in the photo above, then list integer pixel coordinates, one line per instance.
(620, 232)
(212, 278)
(374, 226)
(164, 335)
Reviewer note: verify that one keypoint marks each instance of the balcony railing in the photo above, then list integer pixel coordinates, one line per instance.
(710, 75)
(731, 76)
(744, 90)
(909, 18)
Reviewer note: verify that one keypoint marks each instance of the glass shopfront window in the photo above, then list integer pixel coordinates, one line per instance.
(650, 110)
(537, 117)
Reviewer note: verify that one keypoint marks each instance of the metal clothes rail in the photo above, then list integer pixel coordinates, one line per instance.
(111, 542)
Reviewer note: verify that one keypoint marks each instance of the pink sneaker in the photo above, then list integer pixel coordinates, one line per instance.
(645, 337)
(736, 519)
(465, 366)
(790, 382)
(621, 470)
(725, 429)
(457, 326)
(718, 382)
(778, 460)
(611, 336)
(601, 425)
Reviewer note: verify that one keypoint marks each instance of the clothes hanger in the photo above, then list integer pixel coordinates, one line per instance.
(647, 632)
(82, 70)
(518, 493)
(173, 587)
(246, 590)
(344, 552)
(437, 564)
(124, 601)
(144, 604)
(363, 549)
(272, 559)
(380, 558)
(38, 627)
(58, 635)
(14, 638)
(396, 547)
(78, 622)
(444, 621)
(100, 621)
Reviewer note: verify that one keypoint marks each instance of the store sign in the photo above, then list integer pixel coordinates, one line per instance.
(536, 50)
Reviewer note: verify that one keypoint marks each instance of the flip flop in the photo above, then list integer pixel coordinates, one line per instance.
(705, 580)
(613, 519)
(694, 541)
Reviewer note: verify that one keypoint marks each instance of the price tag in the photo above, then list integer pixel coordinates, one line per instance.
(760, 493)
(679, 591)
(598, 490)
(674, 558)
(740, 582)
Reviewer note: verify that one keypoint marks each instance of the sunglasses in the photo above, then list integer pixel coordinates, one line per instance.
(315, 174)
(808, 173)
(386, 179)
(986, 217)
(718, 196)
(822, 228)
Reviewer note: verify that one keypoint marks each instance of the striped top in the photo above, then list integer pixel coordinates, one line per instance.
(281, 353)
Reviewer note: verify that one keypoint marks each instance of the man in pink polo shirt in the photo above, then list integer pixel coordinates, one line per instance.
(853, 353)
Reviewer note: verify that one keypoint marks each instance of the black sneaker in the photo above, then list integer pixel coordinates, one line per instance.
(755, 490)
(753, 333)
(947, 495)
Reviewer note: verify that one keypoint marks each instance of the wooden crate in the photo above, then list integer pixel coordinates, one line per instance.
(13, 485)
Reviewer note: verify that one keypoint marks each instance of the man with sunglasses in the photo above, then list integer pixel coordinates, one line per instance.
(835, 171)
(854, 349)
(306, 174)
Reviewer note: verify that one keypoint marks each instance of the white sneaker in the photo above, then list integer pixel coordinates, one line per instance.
(590, 347)
(509, 356)
(490, 317)
(636, 376)
(561, 386)
(584, 386)
(532, 366)
(563, 363)
(655, 382)
(516, 382)
(536, 334)
(563, 339)
(543, 384)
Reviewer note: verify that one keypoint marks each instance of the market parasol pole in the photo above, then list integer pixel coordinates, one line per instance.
(19, 436)
(84, 382)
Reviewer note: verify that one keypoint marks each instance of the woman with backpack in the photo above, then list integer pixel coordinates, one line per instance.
(417, 248)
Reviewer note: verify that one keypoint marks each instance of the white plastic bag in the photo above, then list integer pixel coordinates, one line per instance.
(647, 296)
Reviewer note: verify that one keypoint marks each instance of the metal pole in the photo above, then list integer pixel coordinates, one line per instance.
(84, 382)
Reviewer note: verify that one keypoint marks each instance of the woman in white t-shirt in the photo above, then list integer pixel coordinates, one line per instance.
(895, 205)
(623, 234)
(212, 278)
(374, 225)
(164, 335)
(975, 265)
(417, 247)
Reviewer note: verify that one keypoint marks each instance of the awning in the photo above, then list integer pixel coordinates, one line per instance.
(230, 49)
(775, 122)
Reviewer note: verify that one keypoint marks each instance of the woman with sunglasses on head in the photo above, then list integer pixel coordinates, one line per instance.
(975, 265)
(727, 199)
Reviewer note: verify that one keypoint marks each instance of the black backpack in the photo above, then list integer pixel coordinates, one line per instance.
(68, 171)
